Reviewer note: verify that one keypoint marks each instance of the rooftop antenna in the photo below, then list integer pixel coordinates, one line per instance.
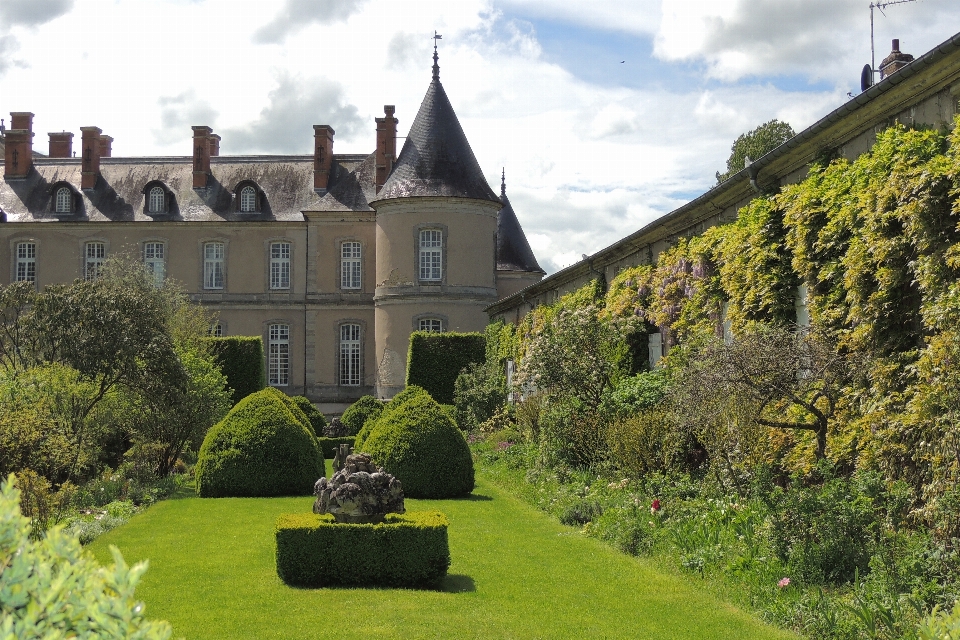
(879, 5)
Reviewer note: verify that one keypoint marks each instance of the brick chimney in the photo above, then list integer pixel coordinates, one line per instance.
(895, 61)
(90, 147)
(214, 145)
(201, 156)
(18, 141)
(386, 145)
(106, 146)
(61, 144)
(322, 156)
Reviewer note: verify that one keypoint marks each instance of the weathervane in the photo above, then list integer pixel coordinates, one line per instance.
(436, 65)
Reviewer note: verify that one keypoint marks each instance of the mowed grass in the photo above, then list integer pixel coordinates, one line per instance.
(516, 573)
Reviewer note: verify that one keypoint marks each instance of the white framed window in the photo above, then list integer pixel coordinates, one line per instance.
(431, 254)
(350, 265)
(279, 265)
(216, 330)
(64, 200)
(278, 359)
(26, 267)
(157, 200)
(248, 199)
(155, 262)
(350, 355)
(95, 253)
(431, 325)
(213, 265)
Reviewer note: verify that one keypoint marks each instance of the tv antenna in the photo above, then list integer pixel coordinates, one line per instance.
(880, 6)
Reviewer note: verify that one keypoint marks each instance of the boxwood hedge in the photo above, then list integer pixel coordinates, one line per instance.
(317, 419)
(359, 412)
(410, 550)
(241, 360)
(436, 359)
(421, 445)
(411, 391)
(261, 448)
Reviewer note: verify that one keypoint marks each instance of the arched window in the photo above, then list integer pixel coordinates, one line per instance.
(64, 203)
(350, 355)
(157, 202)
(248, 199)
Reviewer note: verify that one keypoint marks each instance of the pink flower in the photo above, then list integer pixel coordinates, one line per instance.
(784, 583)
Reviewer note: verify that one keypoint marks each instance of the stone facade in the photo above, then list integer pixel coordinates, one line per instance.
(333, 259)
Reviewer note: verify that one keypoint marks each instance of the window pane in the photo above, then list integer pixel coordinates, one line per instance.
(157, 200)
(64, 200)
(433, 325)
(279, 355)
(431, 254)
(248, 199)
(154, 262)
(213, 267)
(350, 265)
(280, 265)
(350, 355)
(96, 253)
(26, 270)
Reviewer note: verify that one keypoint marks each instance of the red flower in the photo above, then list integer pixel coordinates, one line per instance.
(655, 505)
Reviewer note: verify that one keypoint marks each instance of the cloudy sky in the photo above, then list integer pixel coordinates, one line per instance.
(606, 115)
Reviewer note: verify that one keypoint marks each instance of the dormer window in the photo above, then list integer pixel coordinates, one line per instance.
(64, 200)
(248, 199)
(157, 200)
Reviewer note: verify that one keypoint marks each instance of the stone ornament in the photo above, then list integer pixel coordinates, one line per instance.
(336, 429)
(360, 492)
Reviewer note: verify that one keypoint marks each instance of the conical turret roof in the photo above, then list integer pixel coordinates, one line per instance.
(436, 159)
(513, 250)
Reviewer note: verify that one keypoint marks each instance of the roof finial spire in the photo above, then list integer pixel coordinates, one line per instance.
(436, 65)
(503, 183)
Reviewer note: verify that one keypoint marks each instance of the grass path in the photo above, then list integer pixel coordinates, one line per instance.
(516, 573)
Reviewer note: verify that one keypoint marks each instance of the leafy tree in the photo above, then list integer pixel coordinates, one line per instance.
(754, 144)
(767, 376)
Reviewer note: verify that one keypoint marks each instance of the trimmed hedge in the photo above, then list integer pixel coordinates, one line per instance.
(261, 448)
(359, 412)
(317, 419)
(328, 446)
(411, 391)
(240, 358)
(409, 550)
(421, 445)
(436, 359)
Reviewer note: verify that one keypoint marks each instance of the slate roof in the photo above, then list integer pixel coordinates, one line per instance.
(513, 250)
(436, 158)
(286, 183)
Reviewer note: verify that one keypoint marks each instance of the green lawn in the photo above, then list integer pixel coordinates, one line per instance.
(516, 573)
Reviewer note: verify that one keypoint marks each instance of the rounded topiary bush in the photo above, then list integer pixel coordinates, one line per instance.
(317, 419)
(421, 445)
(261, 448)
(359, 412)
(412, 391)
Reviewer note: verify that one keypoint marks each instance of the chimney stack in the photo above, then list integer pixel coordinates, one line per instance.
(895, 61)
(322, 156)
(106, 146)
(18, 141)
(201, 156)
(214, 145)
(90, 143)
(386, 145)
(61, 144)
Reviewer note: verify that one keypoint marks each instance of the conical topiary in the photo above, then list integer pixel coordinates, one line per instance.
(260, 448)
(411, 391)
(421, 445)
(359, 412)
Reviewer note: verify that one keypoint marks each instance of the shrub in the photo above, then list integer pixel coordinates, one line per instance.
(241, 361)
(646, 441)
(636, 393)
(421, 445)
(317, 420)
(328, 446)
(51, 589)
(479, 391)
(436, 359)
(259, 449)
(941, 625)
(409, 550)
(412, 391)
(359, 412)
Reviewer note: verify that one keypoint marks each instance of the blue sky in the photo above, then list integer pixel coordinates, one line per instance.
(593, 148)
